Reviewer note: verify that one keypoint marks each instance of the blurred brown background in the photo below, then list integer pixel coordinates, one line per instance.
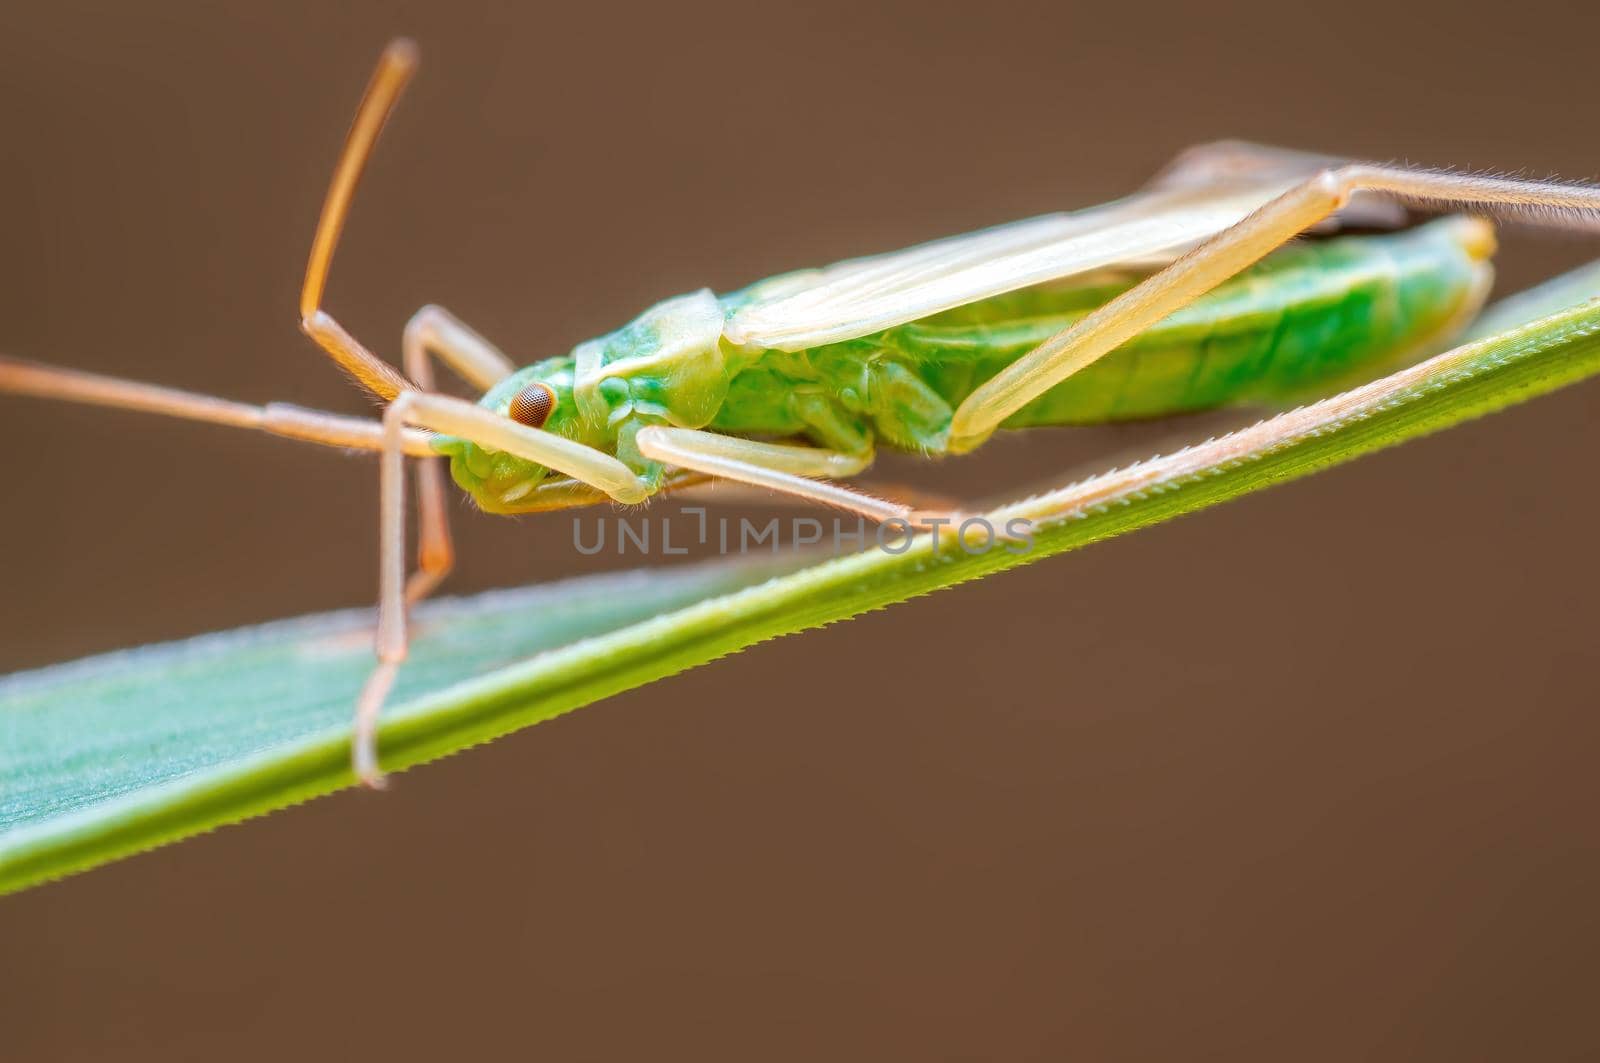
(1311, 776)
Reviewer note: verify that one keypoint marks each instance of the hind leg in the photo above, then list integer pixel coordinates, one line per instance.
(1241, 245)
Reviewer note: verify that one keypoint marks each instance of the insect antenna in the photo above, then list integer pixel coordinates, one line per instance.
(394, 70)
(19, 377)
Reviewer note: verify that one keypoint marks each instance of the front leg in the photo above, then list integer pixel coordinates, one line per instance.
(456, 417)
(789, 469)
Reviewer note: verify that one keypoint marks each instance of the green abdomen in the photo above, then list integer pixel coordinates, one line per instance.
(1308, 320)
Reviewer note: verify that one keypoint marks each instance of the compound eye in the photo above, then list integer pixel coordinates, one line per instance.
(533, 405)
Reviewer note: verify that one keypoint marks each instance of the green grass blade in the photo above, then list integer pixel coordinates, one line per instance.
(116, 754)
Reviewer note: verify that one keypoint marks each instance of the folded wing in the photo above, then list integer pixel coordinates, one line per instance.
(865, 295)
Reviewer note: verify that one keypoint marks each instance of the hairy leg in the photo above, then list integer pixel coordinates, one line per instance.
(1242, 245)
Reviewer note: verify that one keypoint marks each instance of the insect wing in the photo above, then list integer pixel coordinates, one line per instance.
(860, 296)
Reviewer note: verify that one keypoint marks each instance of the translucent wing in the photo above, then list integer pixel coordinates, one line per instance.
(865, 295)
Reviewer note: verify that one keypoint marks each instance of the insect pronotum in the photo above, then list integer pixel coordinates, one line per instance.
(1182, 296)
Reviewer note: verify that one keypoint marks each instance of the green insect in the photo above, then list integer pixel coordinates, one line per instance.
(1191, 294)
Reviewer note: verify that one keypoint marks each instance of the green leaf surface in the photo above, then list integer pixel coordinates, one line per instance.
(115, 754)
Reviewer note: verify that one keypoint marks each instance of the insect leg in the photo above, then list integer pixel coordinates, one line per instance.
(1241, 245)
(730, 492)
(1224, 161)
(459, 418)
(570, 494)
(392, 642)
(435, 331)
(775, 466)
